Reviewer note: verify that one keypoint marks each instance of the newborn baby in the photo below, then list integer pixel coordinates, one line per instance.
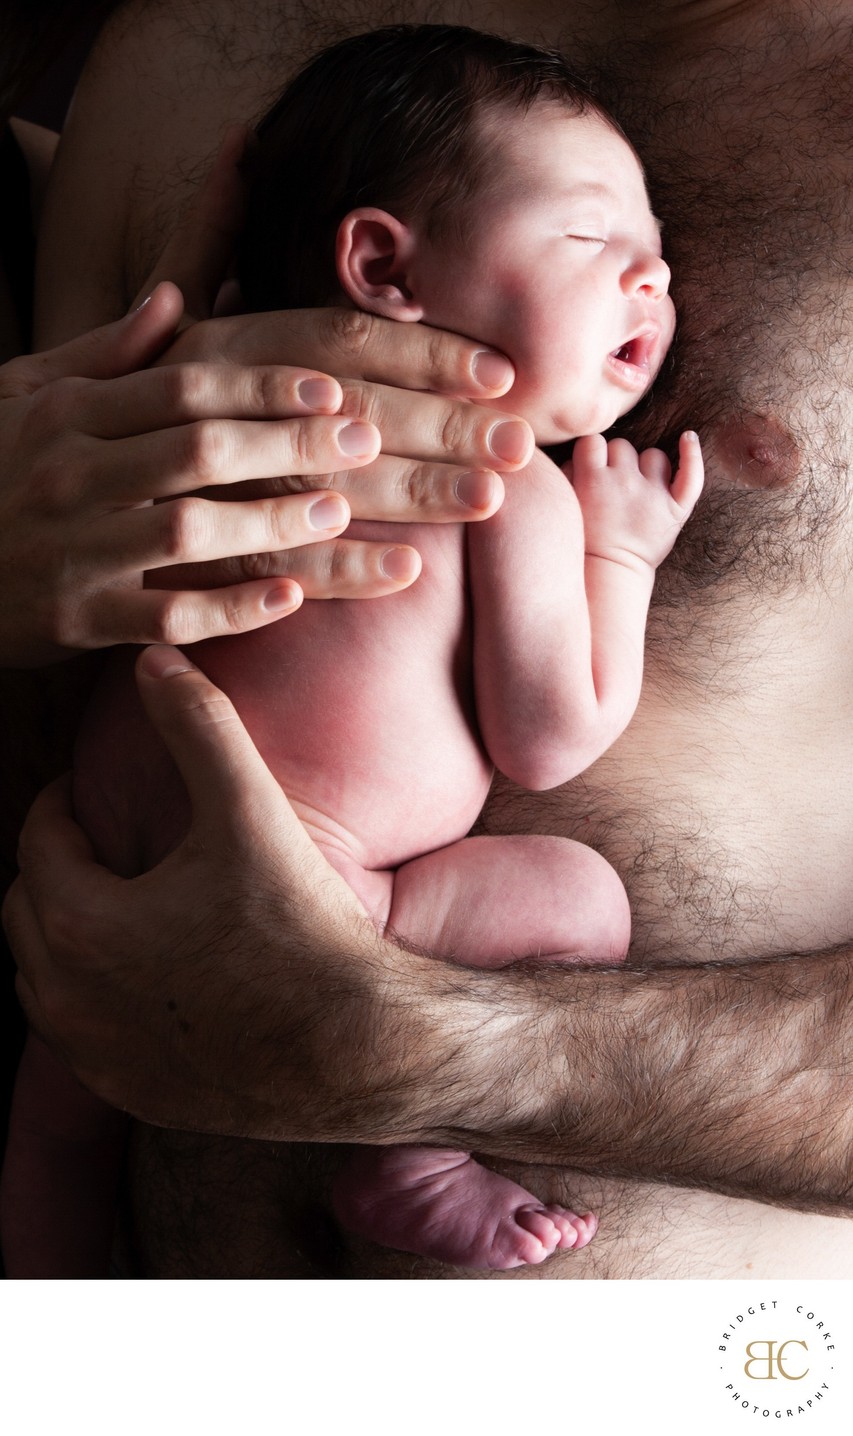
(434, 174)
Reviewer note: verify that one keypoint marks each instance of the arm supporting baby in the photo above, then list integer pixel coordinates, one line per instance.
(732, 1077)
(561, 579)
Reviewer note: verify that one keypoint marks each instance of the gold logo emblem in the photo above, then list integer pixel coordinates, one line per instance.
(771, 1358)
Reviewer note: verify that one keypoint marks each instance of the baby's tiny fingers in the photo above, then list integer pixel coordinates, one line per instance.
(688, 482)
(655, 466)
(589, 452)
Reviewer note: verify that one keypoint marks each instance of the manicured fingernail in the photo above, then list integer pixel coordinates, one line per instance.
(286, 595)
(357, 440)
(476, 490)
(492, 370)
(161, 661)
(400, 564)
(328, 513)
(509, 441)
(319, 394)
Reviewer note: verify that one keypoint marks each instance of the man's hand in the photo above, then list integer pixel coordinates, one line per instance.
(229, 989)
(239, 988)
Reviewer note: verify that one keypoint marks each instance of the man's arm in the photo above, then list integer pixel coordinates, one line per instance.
(731, 1077)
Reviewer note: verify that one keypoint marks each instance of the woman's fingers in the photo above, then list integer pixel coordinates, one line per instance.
(195, 530)
(430, 426)
(340, 568)
(174, 394)
(160, 616)
(353, 345)
(224, 451)
(397, 490)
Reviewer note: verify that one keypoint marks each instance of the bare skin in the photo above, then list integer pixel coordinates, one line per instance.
(723, 808)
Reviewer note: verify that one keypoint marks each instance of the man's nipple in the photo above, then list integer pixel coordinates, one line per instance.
(756, 450)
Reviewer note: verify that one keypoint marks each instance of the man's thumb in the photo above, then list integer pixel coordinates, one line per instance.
(229, 785)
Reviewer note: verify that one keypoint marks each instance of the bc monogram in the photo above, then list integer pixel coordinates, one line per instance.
(771, 1358)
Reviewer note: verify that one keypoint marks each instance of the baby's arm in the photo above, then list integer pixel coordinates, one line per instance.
(561, 579)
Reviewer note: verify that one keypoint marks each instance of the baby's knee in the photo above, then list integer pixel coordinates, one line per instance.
(595, 915)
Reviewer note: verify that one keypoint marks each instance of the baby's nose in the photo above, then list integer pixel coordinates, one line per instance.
(649, 275)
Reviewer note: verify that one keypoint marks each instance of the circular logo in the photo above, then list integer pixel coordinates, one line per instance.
(777, 1359)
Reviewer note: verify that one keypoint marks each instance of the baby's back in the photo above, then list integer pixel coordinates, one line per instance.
(364, 711)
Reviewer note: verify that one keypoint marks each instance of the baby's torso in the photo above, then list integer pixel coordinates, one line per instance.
(363, 710)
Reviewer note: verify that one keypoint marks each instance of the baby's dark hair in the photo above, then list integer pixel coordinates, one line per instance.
(383, 119)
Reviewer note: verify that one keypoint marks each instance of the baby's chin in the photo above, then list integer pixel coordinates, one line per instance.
(560, 426)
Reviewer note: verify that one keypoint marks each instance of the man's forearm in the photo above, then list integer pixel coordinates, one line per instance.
(734, 1078)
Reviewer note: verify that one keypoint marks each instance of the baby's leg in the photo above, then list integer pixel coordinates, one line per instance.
(485, 902)
(60, 1174)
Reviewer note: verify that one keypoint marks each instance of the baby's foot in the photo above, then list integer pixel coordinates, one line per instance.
(442, 1204)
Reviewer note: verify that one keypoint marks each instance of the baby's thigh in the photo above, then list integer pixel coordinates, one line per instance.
(487, 902)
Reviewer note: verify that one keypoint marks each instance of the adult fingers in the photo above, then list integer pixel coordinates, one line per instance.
(176, 394)
(114, 349)
(404, 491)
(226, 451)
(353, 345)
(429, 426)
(61, 888)
(231, 790)
(193, 530)
(340, 568)
(166, 616)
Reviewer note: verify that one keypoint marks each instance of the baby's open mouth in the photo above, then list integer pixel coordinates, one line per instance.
(632, 361)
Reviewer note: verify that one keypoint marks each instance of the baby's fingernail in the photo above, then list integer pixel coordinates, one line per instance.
(319, 393)
(400, 564)
(357, 440)
(330, 512)
(492, 370)
(162, 661)
(475, 490)
(285, 596)
(510, 441)
(691, 436)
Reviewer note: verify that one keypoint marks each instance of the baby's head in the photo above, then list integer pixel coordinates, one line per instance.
(433, 173)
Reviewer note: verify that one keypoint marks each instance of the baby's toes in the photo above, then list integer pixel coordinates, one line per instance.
(539, 1222)
(585, 1228)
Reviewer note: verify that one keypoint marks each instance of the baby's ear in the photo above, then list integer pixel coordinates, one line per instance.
(373, 256)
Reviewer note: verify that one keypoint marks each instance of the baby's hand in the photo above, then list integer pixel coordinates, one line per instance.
(633, 509)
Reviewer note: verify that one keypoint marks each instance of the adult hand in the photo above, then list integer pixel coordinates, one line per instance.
(441, 449)
(232, 988)
(85, 446)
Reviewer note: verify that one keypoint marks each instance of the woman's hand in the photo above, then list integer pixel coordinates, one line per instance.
(86, 446)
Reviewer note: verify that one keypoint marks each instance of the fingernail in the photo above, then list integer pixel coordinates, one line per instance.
(400, 564)
(286, 595)
(319, 393)
(357, 440)
(162, 661)
(691, 436)
(328, 513)
(475, 490)
(492, 370)
(509, 441)
(143, 304)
